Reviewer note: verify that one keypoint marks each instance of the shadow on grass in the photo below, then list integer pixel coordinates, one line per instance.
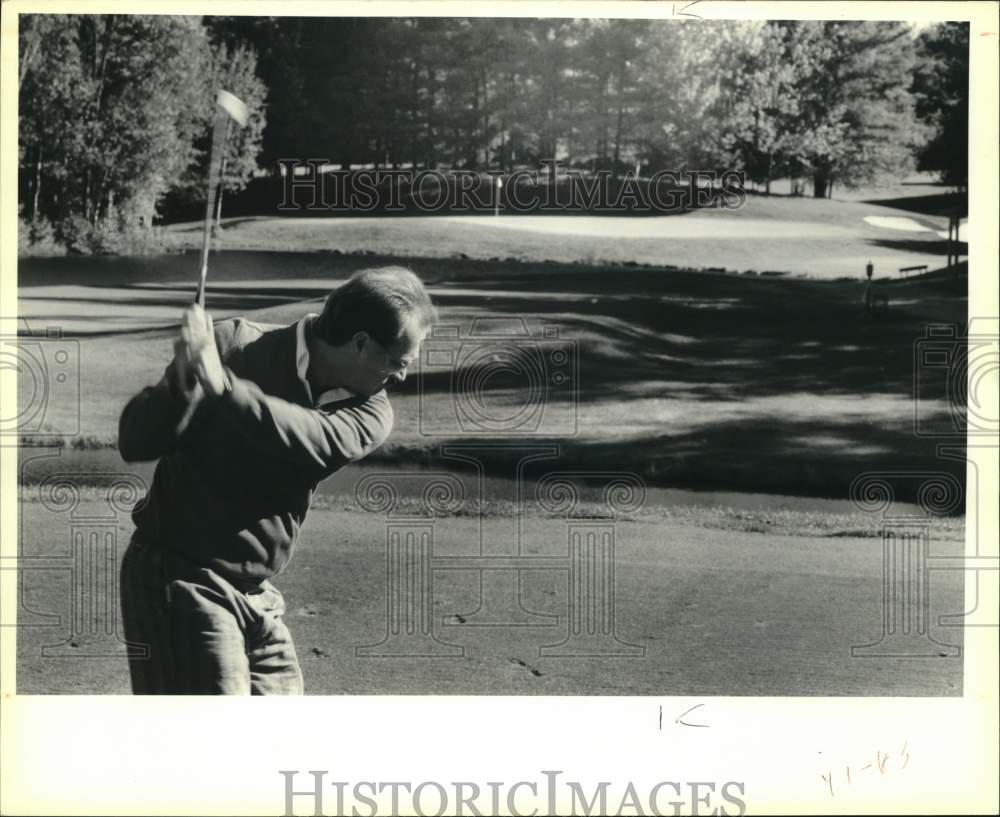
(939, 247)
(742, 336)
(794, 457)
(938, 204)
(243, 266)
(712, 346)
(707, 337)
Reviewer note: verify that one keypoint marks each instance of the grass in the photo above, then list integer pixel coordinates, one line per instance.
(797, 236)
(694, 379)
(756, 381)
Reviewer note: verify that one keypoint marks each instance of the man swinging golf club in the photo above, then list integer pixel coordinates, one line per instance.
(245, 422)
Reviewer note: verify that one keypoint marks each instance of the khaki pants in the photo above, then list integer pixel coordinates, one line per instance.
(202, 634)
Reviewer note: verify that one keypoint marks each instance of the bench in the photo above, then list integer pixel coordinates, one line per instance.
(919, 268)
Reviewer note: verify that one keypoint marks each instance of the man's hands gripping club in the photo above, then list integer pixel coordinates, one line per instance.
(196, 356)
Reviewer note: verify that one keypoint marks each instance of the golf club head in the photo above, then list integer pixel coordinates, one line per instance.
(234, 106)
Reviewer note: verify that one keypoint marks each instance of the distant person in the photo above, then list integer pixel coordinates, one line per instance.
(869, 271)
(246, 421)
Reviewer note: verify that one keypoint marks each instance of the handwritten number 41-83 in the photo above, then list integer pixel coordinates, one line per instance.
(882, 764)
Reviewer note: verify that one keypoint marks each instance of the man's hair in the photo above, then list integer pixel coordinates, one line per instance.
(377, 301)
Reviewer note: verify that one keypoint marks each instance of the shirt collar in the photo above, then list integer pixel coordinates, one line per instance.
(302, 366)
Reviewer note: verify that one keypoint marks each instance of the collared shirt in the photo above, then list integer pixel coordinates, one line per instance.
(302, 366)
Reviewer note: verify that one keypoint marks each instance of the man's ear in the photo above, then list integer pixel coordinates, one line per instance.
(360, 340)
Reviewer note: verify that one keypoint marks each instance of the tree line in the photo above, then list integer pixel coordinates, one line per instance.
(114, 112)
(115, 109)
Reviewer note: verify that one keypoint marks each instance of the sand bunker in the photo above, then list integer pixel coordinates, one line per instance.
(897, 223)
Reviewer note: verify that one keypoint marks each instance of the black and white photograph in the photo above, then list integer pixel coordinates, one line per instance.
(539, 355)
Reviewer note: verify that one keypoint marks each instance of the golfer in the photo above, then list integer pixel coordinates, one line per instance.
(246, 421)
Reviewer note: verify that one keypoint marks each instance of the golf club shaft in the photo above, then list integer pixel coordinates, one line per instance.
(215, 161)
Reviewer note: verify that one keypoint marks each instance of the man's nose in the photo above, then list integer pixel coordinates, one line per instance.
(401, 375)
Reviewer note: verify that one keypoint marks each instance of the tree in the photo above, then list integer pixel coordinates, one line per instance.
(758, 105)
(312, 68)
(941, 88)
(549, 45)
(110, 113)
(49, 126)
(114, 112)
(232, 68)
(33, 29)
(856, 121)
(680, 92)
(607, 76)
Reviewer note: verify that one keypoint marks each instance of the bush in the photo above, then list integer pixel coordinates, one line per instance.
(36, 237)
(74, 232)
(108, 237)
(132, 240)
(113, 237)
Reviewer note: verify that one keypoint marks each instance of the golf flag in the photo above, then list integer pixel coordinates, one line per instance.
(233, 106)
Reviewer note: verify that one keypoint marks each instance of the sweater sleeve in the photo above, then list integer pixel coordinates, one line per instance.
(325, 438)
(154, 420)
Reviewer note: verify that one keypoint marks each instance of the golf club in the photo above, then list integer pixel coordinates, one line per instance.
(228, 108)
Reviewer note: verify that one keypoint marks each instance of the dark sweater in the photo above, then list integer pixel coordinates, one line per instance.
(236, 473)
